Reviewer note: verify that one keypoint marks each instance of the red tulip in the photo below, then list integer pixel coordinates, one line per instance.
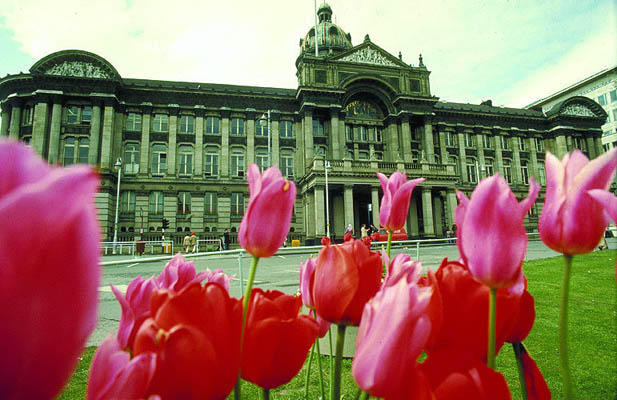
(454, 375)
(537, 389)
(49, 271)
(572, 222)
(113, 375)
(395, 202)
(346, 277)
(367, 241)
(325, 241)
(196, 337)
(465, 312)
(491, 237)
(523, 319)
(393, 332)
(434, 310)
(266, 222)
(277, 338)
(347, 237)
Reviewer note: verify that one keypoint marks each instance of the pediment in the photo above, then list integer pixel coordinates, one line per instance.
(369, 53)
(75, 63)
(580, 106)
(577, 109)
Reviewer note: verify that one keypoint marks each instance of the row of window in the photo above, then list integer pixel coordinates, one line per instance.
(488, 141)
(183, 201)
(603, 99)
(362, 133)
(476, 170)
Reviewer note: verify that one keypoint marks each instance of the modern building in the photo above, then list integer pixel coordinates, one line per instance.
(600, 87)
(185, 146)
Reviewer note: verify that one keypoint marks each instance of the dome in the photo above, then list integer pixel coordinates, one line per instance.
(331, 38)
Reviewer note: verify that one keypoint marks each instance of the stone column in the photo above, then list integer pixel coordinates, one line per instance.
(106, 143)
(173, 139)
(569, 144)
(15, 120)
(375, 204)
(39, 126)
(406, 139)
(308, 136)
(334, 132)
(450, 206)
(429, 147)
(480, 148)
(275, 136)
(320, 223)
(144, 152)
(598, 144)
(412, 218)
(310, 214)
(348, 200)
(427, 212)
(54, 132)
(462, 157)
(299, 154)
(591, 148)
(498, 155)
(224, 162)
(95, 133)
(561, 146)
(533, 158)
(443, 151)
(6, 115)
(438, 222)
(393, 143)
(199, 144)
(516, 160)
(224, 210)
(197, 212)
(250, 136)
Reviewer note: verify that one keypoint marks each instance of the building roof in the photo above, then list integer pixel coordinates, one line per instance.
(486, 109)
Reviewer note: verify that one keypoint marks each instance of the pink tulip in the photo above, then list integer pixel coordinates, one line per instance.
(307, 276)
(491, 237)
(572, 222)
(393, 331)
(49, 272)
(113, 375)
(395, 202)
(266, 222)
(179, 273)
(219, 277)
(609, 202)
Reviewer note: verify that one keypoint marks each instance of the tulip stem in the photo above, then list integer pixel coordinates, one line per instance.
(563, 328)
(323, 391)
(518, 353)
(265, 394)
(308, 371)
(492, 317)
(335, 388)
(245, 305)
(389, 243)
(331, 353)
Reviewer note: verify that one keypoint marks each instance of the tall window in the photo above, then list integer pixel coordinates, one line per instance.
(487, 142)
(155, 203)
(237, 127)
(159, 159)
(489, 170)
(286, 128)
(261, 128)
(472, 171)
(374, 134)
(210, 203)
(507, 171)
(378, 155)
(319, 150)
(454, 160)
(212, 125)
(72, 115)
(349, 133)
(75, 151)
(521, 144)
(505, 143)
(602, 99)
(86, 114)
(27, 116)
(131, 158)
(237, 203)
(184, 202)
(187, 124)
(524, 172)
(468, 140)
(185, 160)
(160, 123)
(318, 128)
(539, 144)
(541, 173)
(287, 163)
(133, 122)
(579, 143)
(127, 202)
(361, 133)
(261, 158)
(451, 139)
(211, 162)
(237, 162)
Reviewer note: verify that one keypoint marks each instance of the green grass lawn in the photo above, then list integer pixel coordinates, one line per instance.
(592, 336)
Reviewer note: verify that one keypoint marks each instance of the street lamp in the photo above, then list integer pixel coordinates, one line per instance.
(327, 168)
(141, 226)
(262, 121)
(118, 164)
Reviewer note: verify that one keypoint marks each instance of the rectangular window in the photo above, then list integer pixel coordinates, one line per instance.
(614, 112)
(613, 95)
(211, 164)
(72, 115)
(127, 202)
(318, 128)
(541, 173)
(26, 116)
(472, 173)
(375, 134)
(451, 139)
(184, 202)
(361, 133)
(86, 114)
(210, 203)
(525, 174)
(212, 125)
(237, 203)
(507, 173)
(155, 203)
(261, 159)
(84, 147)
(286, 128)
(579, 143)
(261, 128)
(185, 163)
(349, 133)
(160, 123)
(539, 144)
(487, 142)
(68, 155)
(602, 99)
(505, 143)
(468, 140)
(521, 144)
(287, 164)
(488, 169)
(186, 124)
(237, 127)
(237, 165)
(133, 122)
(159, 159)
(131, 158)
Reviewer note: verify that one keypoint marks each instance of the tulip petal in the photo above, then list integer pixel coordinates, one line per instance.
(253, 177)
(526, 204)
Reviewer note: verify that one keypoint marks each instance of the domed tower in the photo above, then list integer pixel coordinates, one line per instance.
(331, 39)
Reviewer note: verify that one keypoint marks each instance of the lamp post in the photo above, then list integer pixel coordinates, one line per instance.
(262, 120)
(141, 216)
(327, 168)
(118, 164)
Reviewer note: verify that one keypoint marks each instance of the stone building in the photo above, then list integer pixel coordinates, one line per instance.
(185, 146)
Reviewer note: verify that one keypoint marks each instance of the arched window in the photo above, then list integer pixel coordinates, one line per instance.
(489, 169)
(187, 124)
(211, 162)
(524, 172)
(287, 163)
(184, 203)
(75, 150)
(155, 203)
(472, 170)
(261, 158)
(185, 160)
(159, 159)
(507, 170)
(237, 162)
(131, 158)
(127, 202)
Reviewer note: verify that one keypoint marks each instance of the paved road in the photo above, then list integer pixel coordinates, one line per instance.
(279, 272)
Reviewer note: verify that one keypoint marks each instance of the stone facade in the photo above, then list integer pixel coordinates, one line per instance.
(357, 110)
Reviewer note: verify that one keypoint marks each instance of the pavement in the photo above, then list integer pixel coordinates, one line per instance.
(279, 272)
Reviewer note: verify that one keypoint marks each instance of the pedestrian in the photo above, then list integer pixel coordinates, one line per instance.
(349, 230)
(194, 242)
(372, 230)
(226, 239)
(364, 231)
(187, 243)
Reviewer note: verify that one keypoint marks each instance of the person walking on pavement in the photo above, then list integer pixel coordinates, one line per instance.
(364, 231)
(194, 242)
(226, 239)
(187, 243)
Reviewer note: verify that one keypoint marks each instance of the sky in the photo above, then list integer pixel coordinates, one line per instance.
(512, 52)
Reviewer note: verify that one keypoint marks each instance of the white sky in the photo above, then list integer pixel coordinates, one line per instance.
(513, 52)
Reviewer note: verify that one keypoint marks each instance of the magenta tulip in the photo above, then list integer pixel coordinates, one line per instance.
(491, 237)
(393, 332)
(113, 375)
(266, 222)
(395, 202)
(572, 222)
(307, 277)
(49, 271)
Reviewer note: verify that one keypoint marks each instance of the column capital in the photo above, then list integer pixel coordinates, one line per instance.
(250, 114)
(225, 112)
(199, 110)
(275, 115)
(307, 108)
(146, 107)
(173, 109)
